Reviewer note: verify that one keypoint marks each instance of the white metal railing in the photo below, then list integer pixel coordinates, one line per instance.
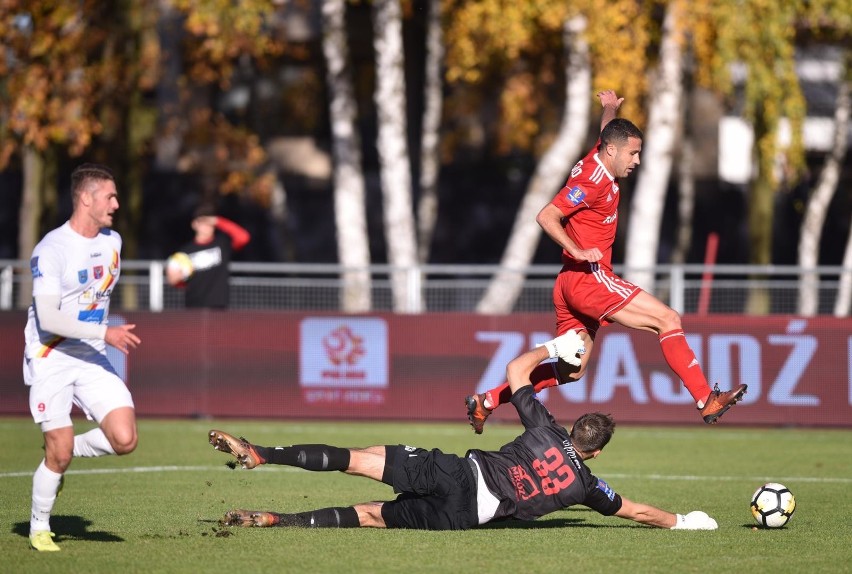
(691, 288)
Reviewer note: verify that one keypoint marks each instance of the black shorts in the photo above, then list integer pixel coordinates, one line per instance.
(437, 490)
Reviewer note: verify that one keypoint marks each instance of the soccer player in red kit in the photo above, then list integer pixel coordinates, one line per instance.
(582, 219)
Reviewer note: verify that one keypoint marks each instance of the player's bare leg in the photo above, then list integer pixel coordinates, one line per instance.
(646, 312)
(119, 427)
(480, 406)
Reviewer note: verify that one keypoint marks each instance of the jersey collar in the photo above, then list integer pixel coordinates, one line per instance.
(603, 167)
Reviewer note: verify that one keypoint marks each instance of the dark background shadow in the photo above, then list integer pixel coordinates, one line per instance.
(70, 528)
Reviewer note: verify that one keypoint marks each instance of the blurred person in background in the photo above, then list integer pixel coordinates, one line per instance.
(206, 274)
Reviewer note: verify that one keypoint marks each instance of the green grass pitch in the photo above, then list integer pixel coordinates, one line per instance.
(156, 510)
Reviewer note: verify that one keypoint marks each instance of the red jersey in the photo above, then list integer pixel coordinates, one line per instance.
(589, 202)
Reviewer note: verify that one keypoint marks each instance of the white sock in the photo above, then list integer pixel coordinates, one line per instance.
(45, 485)
(92, 443)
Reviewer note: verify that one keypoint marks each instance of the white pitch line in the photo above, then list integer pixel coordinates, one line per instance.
(687, 477)
(791, 479)
(133, 469)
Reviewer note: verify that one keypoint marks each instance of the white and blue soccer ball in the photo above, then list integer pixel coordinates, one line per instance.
(772, 505)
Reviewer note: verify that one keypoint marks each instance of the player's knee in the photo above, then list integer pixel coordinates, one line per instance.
(124, 442)
(517, 370)
(58, 461)
(370, 515)
(669, 320)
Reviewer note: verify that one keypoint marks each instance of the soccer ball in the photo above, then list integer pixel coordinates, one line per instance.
(772, 505)
(180, 263)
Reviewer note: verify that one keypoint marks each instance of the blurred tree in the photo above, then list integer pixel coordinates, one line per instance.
(41, 106)
(394, 159)
(66, 72)
(513, 47)
(128, 55)
(218, 36)
(686, 165)
(427, 203)
(350, 205)
(665, 115)
(831, 22)
(757, 39)
(550, 173)
(74, 76)
(817, 209)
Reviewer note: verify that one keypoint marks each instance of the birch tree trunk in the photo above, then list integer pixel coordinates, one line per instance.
(550, 173)
(814, 220)
(844, 292)
(427, 205)
(392, 145)
(350, 206)
(646, 206)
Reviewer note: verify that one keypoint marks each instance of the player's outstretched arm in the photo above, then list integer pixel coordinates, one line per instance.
(653, 516)
(518, 370)
(610, 102)
(239, 235)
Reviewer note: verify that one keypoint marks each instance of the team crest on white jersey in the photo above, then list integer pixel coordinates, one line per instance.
(86, 297)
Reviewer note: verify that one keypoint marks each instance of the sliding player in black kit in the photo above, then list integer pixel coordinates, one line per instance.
(541, 471)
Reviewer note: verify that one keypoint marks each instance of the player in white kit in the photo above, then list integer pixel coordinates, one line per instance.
(75, 269)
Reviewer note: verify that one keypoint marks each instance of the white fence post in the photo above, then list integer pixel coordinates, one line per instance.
(155, 286)
(676, 289)
(6, 288)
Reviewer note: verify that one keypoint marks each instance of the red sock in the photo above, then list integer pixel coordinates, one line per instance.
(542, 377)
(682, 361)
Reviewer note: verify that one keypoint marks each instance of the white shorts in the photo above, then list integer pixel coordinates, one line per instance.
(59, 381)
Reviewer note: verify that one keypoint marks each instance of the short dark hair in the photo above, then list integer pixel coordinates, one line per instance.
(87, 173)
(618, 130)
(592, 432)
(206, 209)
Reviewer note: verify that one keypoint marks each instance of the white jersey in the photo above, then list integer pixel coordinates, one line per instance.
(83, 272)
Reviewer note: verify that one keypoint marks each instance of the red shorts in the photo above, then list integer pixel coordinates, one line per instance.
(585, 296)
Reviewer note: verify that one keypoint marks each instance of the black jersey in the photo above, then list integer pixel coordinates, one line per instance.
(539, 472)
(208, 285)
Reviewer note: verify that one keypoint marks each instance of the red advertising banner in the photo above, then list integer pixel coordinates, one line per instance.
(384, 366)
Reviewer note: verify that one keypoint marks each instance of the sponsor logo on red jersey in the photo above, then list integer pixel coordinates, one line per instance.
(575, 195)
